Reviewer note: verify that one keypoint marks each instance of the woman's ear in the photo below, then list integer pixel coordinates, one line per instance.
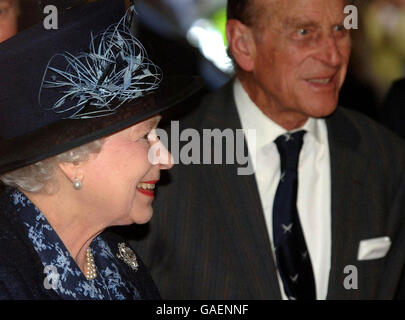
(241, 44)
(72, 170)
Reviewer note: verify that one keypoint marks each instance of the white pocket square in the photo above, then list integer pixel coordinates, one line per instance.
(373, 248)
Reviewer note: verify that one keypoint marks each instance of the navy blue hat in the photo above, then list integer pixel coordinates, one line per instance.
(87, 79)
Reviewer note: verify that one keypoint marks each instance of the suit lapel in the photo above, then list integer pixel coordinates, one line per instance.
(348, 169)
(239, 198)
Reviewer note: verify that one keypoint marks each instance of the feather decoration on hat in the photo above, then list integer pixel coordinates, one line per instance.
(96, 83)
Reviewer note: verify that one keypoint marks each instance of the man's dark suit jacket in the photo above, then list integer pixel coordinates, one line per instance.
(208, 237)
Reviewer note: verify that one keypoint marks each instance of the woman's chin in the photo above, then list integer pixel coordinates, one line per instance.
(142, 218)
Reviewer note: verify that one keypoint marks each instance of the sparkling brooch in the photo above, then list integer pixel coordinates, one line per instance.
(128, 256)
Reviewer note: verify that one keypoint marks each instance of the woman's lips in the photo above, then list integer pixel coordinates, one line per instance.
(148, 193)
(147, 188)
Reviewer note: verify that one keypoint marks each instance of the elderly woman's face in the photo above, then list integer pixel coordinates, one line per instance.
(118, 181)
(8, 19)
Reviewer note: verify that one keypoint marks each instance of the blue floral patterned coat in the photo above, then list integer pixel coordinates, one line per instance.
(34, 263)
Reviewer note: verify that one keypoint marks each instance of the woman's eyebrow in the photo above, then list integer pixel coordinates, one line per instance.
(157, 120)
(150, 124)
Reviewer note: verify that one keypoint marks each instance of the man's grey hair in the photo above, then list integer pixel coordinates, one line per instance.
(40, 177)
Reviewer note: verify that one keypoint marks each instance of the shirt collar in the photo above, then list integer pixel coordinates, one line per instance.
(266, 129)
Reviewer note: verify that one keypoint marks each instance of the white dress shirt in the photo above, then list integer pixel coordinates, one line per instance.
(314, 182)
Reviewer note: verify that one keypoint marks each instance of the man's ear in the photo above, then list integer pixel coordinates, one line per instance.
(241, 43)
(72, 170)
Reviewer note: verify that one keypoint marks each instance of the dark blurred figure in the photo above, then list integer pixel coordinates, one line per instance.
(175, 54)
(357, 94)
(30, 13)
(383, 47)
(393, 111)
(9, 10)
(159, 25)
(378, 56)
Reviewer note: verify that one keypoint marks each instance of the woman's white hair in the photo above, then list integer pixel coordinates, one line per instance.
(39, 177)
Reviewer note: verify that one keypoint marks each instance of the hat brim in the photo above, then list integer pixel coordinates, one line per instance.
(67, 134)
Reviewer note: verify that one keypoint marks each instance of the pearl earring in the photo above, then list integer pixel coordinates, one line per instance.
(77, 184)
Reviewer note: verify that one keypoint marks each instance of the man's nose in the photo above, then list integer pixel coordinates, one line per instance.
(330, 51)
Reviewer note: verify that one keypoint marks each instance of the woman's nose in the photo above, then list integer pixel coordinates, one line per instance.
(158, 153)
(166, 161)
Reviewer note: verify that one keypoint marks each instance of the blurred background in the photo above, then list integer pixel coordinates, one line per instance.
(188, 37)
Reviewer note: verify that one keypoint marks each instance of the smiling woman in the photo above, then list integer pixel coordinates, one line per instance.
(74, 156)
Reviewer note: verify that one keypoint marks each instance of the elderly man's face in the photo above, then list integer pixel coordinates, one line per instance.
(8, 19)
(301, 57)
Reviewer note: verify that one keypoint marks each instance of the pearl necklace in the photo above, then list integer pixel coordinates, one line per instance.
(91, 271)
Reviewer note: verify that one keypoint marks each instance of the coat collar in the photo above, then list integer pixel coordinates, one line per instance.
(24, 258)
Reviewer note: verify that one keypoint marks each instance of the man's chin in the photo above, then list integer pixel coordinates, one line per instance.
(321, 109)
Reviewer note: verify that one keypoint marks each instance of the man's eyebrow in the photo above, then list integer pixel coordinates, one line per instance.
(303, 23)
(299, 23)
